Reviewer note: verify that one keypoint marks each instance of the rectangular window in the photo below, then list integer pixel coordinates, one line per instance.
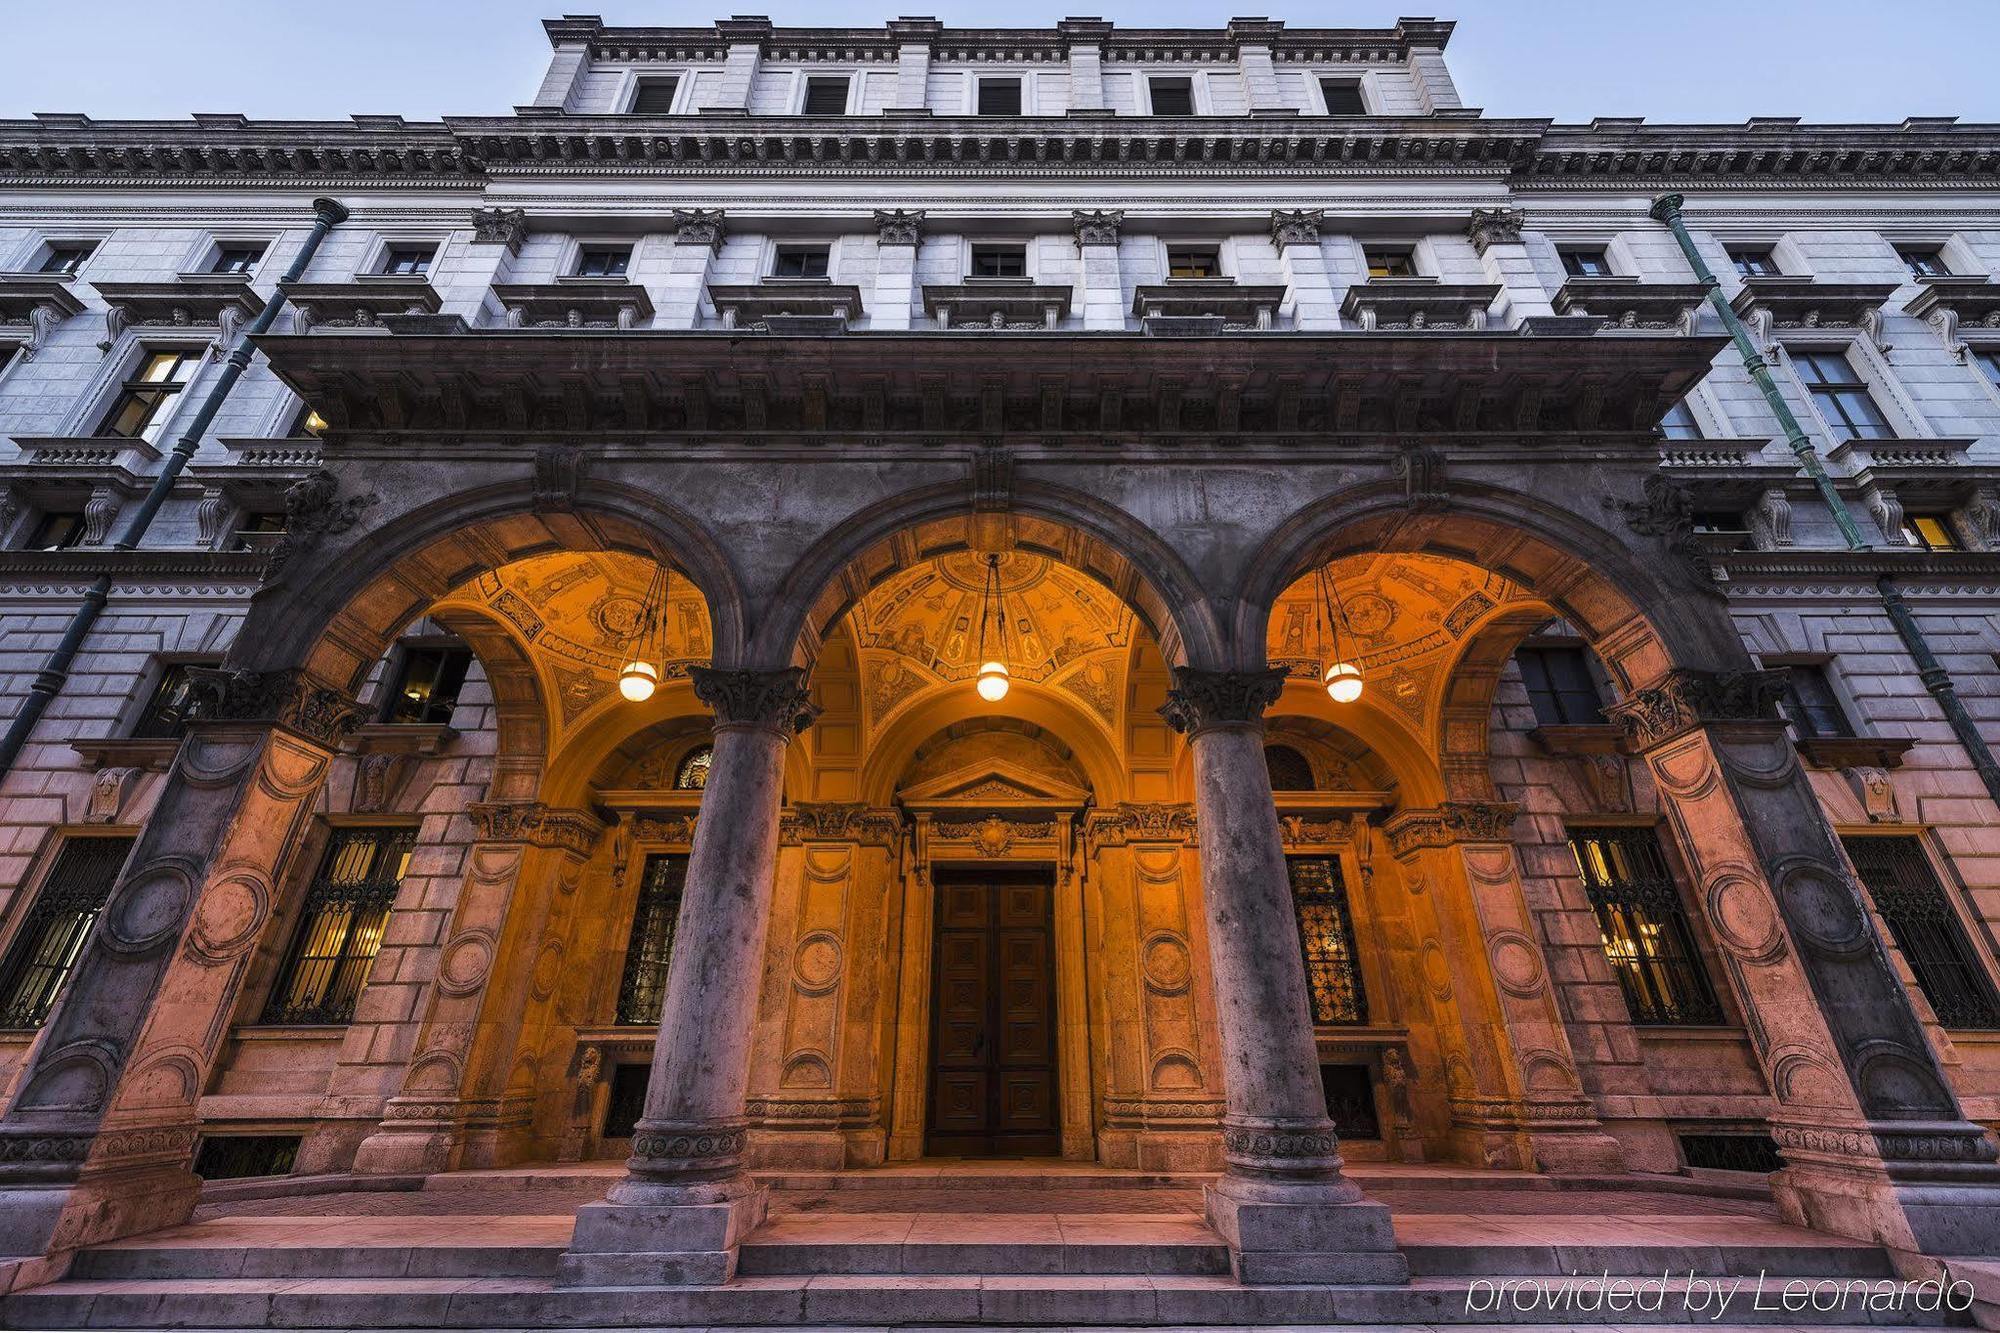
(165, 716)
(237, 258)
(1923, 261)
(1585, 263)
(627, 1101)
(1930, 532)
(65, 260)
(1851, 412)
(1926, 929)
(1728, 527)
(826, 95)
(1989, 365)
(642, 990)
(1560, 686)
(999, 97)
(1343, 97)
(603, 261)
(1754, 263)
(1350, 1101)
(46, 947)
(426, 685)
(341, 925)
(1679, 422)
(307, 422)
(146, 400)
(1811, 706)
(1192, 262)
(801, 261)
(257, 530)
(1390, 263)
(56, 530)
(1326, 934)
(246, 1156)
(653, 97)
(408, 261)
(1172, 97)
(1643, 926)
(999, 261)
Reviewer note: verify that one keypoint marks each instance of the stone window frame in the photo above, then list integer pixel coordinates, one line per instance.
(35, 251)
(133, 710)
(968, 74)
(767, 256)
(1860, 725)
(1199, 93)
(973, 241)
(199, 261)
(395, 661)
(1978, 343)
(1960, 259)
(1164, 244)
(575, 244)
(628, 88)
(1423, 263)
(1979, 932)
(1785, 252)
(20, 905)
(377, 254)
(86, 418)
(1870, 366)
(801, 76)
(1363, 81)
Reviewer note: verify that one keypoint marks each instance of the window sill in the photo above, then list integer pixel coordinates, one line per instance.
(289, 1031)
(423, 738)
(149, 754)
(1854, 751)
(1570, 738)
(1691, 1031)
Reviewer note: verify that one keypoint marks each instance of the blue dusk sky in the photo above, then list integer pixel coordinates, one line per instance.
(1667, 60)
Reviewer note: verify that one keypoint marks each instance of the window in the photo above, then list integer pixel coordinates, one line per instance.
(1192, 262)
(999, 97)
(56, 530)
(257, 530)
(236, 258)
(1728, 529)
(1930, 532)
(1811, 706)
(1923, 261)
(1927, 931)
(1350, 1101)
(692, 775)
(1679, 422)
(66, 259)
(1386, 263)
(999, 261)
(1643, 926)
(307, 422)
(246, 1156)
(826, 95)
(1326, 934)
(427, 684)
(1289, 770)
(165, 716)
(627, 1101)
(1851, 412)
(340, 925)
(46, 947)
(642, 990)
(603, 261)
(1172, 97)
(408, 261)
(1754, 263)
(1585, 263)
(1989, 364)
(1343, 97)
(146, 400)
(801, 261)
(654, 96)
(1731, 1152)
(1560, 686)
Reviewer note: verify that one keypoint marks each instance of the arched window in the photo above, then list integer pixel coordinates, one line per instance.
(692, 775)
(1289, 769)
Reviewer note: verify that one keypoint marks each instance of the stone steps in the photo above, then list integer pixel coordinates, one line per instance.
(851, 1300)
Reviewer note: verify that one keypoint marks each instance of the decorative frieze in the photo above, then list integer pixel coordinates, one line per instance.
(776, 699)
(856, 821)
(1202, 699)
(1138, 821)
(537, 825)
(1450, 824)
(291, 699)
(1685, 699)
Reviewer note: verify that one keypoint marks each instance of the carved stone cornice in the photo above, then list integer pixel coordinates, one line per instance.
(1449, 824)
(899, 226)
(1139, 821)
(856, 822)
(290, 699)
(775, 699)
(1097, 226)
(1685, 699)
(1495, 226)
(1203, 699)
(698, 226)
(500, 226)
(1296, 226)
(537, 825)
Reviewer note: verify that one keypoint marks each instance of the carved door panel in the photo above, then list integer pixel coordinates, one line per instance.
(993, 1050)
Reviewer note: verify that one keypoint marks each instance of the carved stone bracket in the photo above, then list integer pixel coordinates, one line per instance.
(1203, 699)
(1666, 510)
(1450, 824)
(1684, 699)
(559, 470)
(500, 226)
(537, 825)
(1495, 226)
(840, 822)
(291, 699)
(1296, 226)
(1097, 226)
(1123, 825)
(899, 226)
(775, 699)
(698, 226)
(313, 509)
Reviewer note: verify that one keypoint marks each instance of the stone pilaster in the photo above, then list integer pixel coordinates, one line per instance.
(741, 61)
(1084, 39)
(686, 1201)
(1496, 234)
(914, 38)
(1253, 38)
(99, 1139)
(1875, 1142)
(697, 236)
(899, 234)
(1282, 1203)
(1103, 292)
(1309, 294)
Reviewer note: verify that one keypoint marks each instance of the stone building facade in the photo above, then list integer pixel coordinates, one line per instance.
(815, 369)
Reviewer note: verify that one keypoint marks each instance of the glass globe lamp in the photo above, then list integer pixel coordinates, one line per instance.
(993, 681)
(1343, 682)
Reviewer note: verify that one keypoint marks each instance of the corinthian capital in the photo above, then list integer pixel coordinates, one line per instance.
(1684, 699)
(1296, 226)
(899, 226)
(775, 699)
(1203, 699)
(290, 699)
(1097, 226)
(698, 226)
(1495, 226)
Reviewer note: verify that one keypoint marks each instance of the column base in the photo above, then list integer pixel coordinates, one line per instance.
(1943, 1202)
(684, 1235)
(51, 1219)
(1306, 1232)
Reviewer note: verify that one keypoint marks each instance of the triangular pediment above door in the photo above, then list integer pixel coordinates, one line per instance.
(993, 783)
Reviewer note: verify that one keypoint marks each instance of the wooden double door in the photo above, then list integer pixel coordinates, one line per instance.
(993, 1089)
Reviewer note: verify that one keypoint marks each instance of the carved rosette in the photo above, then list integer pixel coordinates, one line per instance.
(698, 226)
(680, 1150)
(537, 825)
(1097, 226)
(1495, 226)
(1296, 226)
(1122, 825)
(840, 822)
(774, 699)
(500, 226)
(1683, 700)
(291, 699)
(899, 226)
(1449, 824)
(1203, 699)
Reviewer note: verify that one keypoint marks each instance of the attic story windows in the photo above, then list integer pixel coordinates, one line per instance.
(653, 95)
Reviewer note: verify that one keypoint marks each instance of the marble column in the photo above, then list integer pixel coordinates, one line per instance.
(1284, 1207)
(1875, 1143)
(99, 1140)
(686, 1201)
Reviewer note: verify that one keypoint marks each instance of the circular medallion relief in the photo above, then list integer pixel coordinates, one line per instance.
(148, 909)
(1437, 969)
(1517, 965)
(1745, 921)
(226, 920)
(463, 966)
(816, 963)
(1166, 963)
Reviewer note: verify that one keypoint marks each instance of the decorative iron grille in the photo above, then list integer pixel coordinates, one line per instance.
(1731, 1152)
(241, 1156)
(48, 944)
(1643, 926)
(642, 991)
(1928, 932)
(340, 928)
(1326, 933)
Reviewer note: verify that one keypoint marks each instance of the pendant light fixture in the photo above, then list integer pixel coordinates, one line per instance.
(992, 684)
(1341, 677)
(640, 675)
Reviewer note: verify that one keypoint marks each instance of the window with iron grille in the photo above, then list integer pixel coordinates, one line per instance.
(692, 775)
(45, 948)
(653, 97)
(1810, 704)
(146, 400)
(1343, 97)
(341, 925)
(166, 711)
(826, 95)
(642, 991)
(1289, 770)
(1560, 686)
(1326, 934)
(1172, 97)
(1927, 930)
(1643, 926)
(1350, 1101)
(1851, 412)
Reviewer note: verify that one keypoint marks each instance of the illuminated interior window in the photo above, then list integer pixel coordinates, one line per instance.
(692, 775)
(1643, 926)
(340, 926)
(1326, 934)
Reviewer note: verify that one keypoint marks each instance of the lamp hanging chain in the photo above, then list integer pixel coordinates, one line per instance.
(992, 606)
(1332, 613)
